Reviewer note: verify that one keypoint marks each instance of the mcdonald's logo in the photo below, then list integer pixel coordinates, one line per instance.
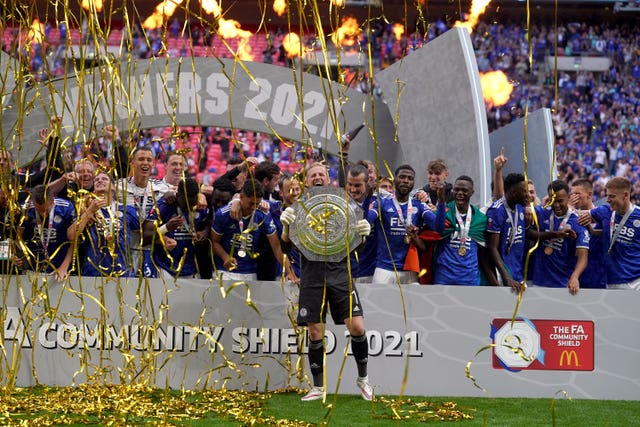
(568, 356)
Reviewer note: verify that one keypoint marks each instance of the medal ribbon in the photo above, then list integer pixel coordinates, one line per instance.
(108, 220)
(465, 225)
(40, 227)
(513, 221)
(243, 239)
(563, 223)
(403, 222)
(614, 236)
(191, 224)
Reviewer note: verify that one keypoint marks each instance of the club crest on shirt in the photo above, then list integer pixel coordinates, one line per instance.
(636, 223)
(57, 219)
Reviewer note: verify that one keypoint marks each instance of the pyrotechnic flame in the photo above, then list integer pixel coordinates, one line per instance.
(338, 3)
(477, 8)
(36, 32)
(162, 11)
(496, 88)
(347, 33)
(279, 7)
(229, 29)
(86, 4)
(211, 7)
(291, 45)
(398, 30)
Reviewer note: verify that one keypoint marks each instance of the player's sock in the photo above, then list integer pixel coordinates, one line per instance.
(315, 362)
(360, 349)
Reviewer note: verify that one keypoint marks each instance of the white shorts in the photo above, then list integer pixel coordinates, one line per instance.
(381, 275)
(238, 277)
(635, 285)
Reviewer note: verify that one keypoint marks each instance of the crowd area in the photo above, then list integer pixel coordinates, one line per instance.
(596, 116)
(161, 201)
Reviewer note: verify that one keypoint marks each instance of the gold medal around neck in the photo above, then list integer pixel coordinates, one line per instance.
(462, 250)
(548, 250)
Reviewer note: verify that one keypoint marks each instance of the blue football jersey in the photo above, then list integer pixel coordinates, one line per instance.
(239, 238)
(511, 247)
(623, 260)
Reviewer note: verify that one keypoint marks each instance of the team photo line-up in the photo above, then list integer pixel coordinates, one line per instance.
(77, 218)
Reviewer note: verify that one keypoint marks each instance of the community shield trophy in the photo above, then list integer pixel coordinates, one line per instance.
(325, 224)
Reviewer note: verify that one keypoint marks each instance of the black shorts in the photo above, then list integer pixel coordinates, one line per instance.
(342, 299)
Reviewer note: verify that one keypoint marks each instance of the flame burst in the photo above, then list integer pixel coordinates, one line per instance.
(280, 7)
(398, 30)
(36, 32)
(86, 5)
(227, 28)
(338, 3)
(496, 88)
(211, 7)
(348, 32)
(162, 11)
(477, 8)
(230, 29)
(291, 45)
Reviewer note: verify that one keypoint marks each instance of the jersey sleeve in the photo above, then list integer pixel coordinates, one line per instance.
(133, 220)
(601, 213)
(427, 217)
(219, 222)
(372, 213)
(268, 225)
(582, 236)
(495, 221)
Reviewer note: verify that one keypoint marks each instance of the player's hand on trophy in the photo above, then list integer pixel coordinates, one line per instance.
(288, 216)
(363, 228)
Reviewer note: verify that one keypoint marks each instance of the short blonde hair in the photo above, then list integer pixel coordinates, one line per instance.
(619, 183)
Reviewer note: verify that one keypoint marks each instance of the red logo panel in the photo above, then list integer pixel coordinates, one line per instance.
(566, 345)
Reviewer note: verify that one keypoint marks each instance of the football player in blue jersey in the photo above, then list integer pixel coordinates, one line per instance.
(399, 219)
(234, 241)
(48, 234)
(142, 192)
(103, 227)
(289, 188)
(268, 173)
(179, 226)
(363, 259)
(506, 229)
(621, 228)
(595, 275)
(461, 251)
(563, 247)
